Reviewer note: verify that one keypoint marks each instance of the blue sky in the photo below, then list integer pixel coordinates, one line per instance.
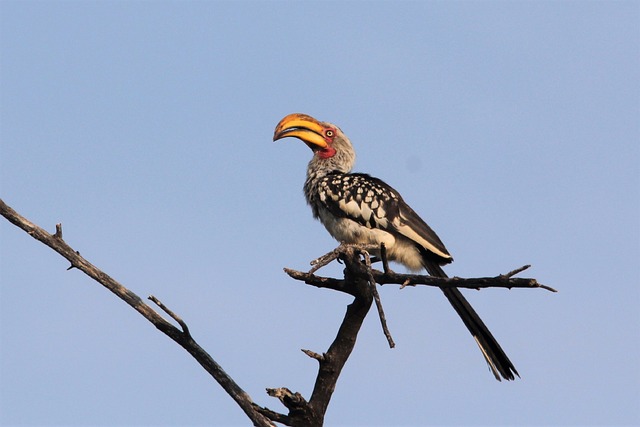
(145, 128)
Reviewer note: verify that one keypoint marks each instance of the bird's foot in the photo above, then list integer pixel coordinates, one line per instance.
(327, 258)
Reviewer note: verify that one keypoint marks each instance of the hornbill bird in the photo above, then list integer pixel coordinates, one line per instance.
(359, 209)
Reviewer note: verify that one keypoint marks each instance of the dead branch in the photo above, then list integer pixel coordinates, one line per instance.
(359, 281)
(356, 283)
(390, 277)
(500, 281)
(182, 337)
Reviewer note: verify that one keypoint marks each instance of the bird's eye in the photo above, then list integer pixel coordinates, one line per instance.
(329, 133)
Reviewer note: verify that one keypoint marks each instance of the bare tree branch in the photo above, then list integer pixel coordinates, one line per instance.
(183, 338)
(303, 413)
(500, 281)
(309, 413)
(390, 277)
(359, 281)
(357, 277)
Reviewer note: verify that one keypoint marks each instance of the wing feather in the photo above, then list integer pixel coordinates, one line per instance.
(373, 203)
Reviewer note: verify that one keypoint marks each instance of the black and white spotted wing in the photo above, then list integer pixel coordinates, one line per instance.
(372, 203)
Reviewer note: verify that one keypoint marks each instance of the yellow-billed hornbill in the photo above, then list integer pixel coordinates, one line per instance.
(357, 208)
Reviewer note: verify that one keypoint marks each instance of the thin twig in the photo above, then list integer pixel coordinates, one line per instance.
(174, 316)
(325, 259)
(516, 271)
(547, 288)
(376, 298)
(58, 234)
(313, 355)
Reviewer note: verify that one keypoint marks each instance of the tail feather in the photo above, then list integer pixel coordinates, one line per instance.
(496, 358)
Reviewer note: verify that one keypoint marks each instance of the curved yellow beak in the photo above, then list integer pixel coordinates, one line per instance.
(303, 127)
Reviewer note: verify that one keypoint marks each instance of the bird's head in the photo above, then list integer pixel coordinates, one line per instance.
(332, 150)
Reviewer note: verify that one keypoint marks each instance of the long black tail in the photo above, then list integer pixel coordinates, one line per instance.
(496, 358)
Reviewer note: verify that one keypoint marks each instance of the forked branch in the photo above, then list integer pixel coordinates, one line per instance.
(302, 412)
(389, 277)
(182, 337)
(359, 281)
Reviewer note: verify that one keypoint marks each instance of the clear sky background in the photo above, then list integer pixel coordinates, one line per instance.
(513, 128)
